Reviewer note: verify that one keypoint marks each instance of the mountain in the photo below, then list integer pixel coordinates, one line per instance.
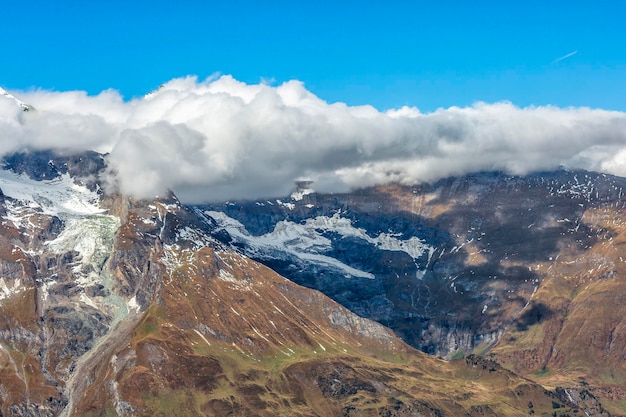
(485, 295)
(527, 271)
(7, 95)
(112, 306)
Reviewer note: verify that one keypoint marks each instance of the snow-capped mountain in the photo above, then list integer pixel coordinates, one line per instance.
(115, 306)
(468, 264)
(7, 95)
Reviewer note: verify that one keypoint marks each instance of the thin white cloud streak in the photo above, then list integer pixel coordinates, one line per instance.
(559, 59)
(224, 139)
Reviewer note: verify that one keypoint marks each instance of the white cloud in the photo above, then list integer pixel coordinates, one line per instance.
(223, 139)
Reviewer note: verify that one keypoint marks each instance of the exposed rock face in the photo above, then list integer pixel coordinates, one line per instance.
(226, 335)
(57, 299)
(47, 165)
(531, 265)
(110, 306)
(447, 266)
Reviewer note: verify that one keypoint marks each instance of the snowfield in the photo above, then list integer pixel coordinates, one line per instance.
(59, 197)
(307, 242)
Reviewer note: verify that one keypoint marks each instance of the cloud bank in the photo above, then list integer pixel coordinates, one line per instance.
(223, 139)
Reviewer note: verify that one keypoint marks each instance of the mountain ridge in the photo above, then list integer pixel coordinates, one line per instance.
(132, 308)
(508, 255)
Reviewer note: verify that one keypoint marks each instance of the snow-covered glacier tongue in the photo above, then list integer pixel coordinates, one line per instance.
(86, 232)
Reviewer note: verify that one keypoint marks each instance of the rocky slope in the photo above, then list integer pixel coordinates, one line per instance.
(110, 306)
(528, 270)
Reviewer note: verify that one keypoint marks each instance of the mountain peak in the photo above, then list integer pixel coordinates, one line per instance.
(24, 106)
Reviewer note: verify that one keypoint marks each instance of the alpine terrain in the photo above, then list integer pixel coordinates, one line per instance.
(484, 295)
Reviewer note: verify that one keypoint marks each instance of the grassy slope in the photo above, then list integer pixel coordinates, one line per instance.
(230, 337)
(582, 339)
(573, 332)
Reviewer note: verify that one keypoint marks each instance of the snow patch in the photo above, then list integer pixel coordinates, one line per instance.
(299, 195)
(133, 304)
(46, 285)
(290, 206)
(7, 291)
(413, 246)
(194, 236)
(306, 241)
(293, 238)
(86, 300)
(227, 276)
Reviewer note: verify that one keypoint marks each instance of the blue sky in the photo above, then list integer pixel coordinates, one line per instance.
(387, 54)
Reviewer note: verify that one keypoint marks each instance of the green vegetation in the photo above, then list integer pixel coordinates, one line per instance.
(174, 403)
(109, 411)
(482, 349)
(150, 323)
(459, 354)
